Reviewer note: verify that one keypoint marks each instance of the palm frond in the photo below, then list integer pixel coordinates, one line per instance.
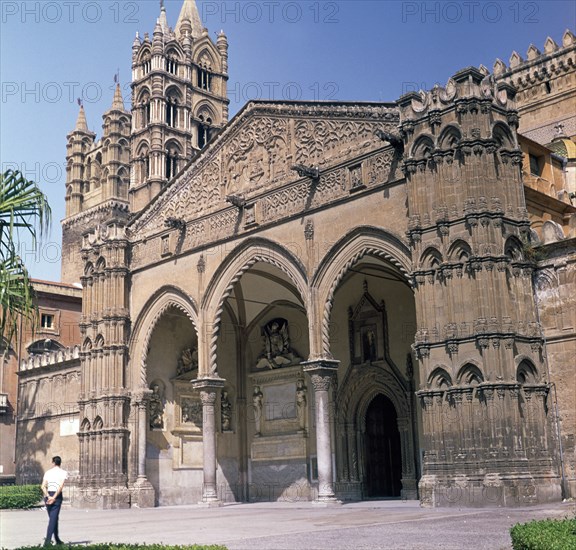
(22, 206)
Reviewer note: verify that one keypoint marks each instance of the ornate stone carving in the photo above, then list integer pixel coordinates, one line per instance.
(278, 351)
(156, 407)
(225, 412)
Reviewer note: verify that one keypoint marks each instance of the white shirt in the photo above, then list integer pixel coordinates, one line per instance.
(54, 478)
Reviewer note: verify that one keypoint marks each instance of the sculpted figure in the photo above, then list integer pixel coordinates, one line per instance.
(156, 409)
(301, 404)
(225, 412)
(258, 404)
(188, 361)
(277, 350)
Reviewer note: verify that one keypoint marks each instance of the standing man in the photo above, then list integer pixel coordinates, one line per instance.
(52, 486)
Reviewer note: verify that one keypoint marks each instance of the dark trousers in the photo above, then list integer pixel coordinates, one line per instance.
(53, 513)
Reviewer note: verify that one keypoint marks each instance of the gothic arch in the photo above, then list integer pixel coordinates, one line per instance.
(470, 374)
(174, 49)
(205, 113)
(422, 147)
(431, 258)
(356, 393)
(163, 299)
(459, 251)
(513, 248)
(360, 242)
(439, 378)
(240, 260)
(205, 57)
(526, 372)
(450, 137)
(145, 54)
(503, 136)
(87, 344)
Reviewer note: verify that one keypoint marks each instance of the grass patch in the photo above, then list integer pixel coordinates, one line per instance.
(120, 546)
(548, 534)
(19, 497)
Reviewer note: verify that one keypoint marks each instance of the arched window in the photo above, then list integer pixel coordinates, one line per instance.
(172, 158)
(204, 125)
(204, 79)
(171, 64)
(172, 100)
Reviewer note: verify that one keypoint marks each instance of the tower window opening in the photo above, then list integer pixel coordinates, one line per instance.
(146, 114)
(171, 164)
(203, 131)
(204, 79)
(171, 65)
(146, 166)
(171, 113)
(146, 66)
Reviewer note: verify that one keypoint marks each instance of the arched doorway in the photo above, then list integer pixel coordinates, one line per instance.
(383, 453)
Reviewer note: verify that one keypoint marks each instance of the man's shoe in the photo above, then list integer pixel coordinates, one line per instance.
(60, 542)
(47, 542)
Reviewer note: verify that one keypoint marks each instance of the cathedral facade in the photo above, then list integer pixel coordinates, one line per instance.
(322, 301)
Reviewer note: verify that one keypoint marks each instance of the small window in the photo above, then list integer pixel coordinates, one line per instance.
(47, 321)
(535, 165)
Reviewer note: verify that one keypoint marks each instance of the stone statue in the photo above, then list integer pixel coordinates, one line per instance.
(191, 412)
(277, 350)
(301, 404)
(188, 361)
(258, 404)
(225, 412)
(156, 408)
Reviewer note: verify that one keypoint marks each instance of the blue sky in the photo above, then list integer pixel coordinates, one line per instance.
(53, 52)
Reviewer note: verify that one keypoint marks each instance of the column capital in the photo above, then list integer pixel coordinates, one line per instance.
(322, 372)
(208, 384)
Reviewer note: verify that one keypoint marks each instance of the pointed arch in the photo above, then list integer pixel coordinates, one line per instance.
(450, 137)
(422, 147)
(240, 260)
(459, 251)
(163, 299)
(526, 372)
(349, 250)
(503, 136)
(470, 375)
(439, 378)
(431, 258)
(513, 248)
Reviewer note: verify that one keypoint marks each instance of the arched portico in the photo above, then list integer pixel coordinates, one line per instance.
(368, 322)
(160, 465)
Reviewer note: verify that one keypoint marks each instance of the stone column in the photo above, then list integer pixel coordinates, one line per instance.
(143, 493)
(322, 373)
(209, 389)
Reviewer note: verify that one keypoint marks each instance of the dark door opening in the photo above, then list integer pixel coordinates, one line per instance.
(383, 450)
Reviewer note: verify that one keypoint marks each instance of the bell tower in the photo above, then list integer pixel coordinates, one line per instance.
(97, 179)
(179, 99)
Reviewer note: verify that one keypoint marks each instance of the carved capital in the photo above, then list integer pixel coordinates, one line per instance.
(322, 373)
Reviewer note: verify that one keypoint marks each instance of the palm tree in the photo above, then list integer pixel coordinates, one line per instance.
(23, 208)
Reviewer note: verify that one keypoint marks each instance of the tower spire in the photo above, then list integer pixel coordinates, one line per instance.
(190, 11)
(81, 124)
(118, 101)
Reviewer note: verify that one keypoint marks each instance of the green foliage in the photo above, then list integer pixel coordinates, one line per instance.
(19, 496)
(120, 546)
(549, 534)
(531, 252)
(23, 208)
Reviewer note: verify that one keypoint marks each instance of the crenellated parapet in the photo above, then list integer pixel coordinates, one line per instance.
(546, 84)
(50, 359)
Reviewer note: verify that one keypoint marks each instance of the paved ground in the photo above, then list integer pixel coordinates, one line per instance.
(286, 526)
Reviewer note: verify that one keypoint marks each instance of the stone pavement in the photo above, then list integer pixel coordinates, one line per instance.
(390, 524)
